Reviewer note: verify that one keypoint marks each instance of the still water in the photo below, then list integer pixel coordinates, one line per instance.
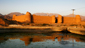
(41, 40)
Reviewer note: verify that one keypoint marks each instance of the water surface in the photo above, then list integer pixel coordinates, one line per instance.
(41, 40)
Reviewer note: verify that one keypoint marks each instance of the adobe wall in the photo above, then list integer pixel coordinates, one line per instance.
(82, 22)
(59, 19)
(22, 18)
(43, 19)
(46, 19)
(78, 19)
(53, 19)
(69, 20)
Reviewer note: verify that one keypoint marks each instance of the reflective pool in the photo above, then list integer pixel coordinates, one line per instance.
(41, 40)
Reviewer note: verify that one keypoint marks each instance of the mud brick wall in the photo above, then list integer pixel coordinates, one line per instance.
(43, 19)
(23, 18)
(69, 20)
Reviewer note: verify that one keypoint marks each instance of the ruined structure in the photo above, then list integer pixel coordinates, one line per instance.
(23, 18)
(3, 21)
(46, 19)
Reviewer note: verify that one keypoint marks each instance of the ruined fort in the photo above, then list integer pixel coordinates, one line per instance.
(28, 17)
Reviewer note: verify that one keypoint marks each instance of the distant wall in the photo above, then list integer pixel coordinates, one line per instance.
(43, 19)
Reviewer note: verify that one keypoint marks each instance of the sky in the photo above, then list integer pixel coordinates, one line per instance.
(63, 7)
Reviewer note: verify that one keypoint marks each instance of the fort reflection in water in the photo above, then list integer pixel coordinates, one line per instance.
(42, 37)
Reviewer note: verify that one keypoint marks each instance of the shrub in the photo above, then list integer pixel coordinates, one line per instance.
(83, 26)
(73, 25)
(27, 23)
(46, 25)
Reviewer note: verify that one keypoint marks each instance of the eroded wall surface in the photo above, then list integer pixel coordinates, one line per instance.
(23, 18)
(69, 20)
(43, 19)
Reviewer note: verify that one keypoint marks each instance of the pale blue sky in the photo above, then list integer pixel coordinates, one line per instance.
(62, 7)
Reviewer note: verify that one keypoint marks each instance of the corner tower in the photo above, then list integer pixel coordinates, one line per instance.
(78, 19)
(28, 16)
(53, 18)
(59, 19)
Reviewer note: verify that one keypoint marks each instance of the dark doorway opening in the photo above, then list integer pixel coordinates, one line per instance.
(56, 20)
(31, 18)
(62, 19)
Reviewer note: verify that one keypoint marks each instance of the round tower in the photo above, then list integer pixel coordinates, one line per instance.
(59, 19)
(53, 18)
(28, 16)
(28, 13)
(78, 19)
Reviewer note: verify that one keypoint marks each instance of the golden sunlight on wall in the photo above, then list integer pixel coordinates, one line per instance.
(46, 19)
(23, 18)
(43, 19)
